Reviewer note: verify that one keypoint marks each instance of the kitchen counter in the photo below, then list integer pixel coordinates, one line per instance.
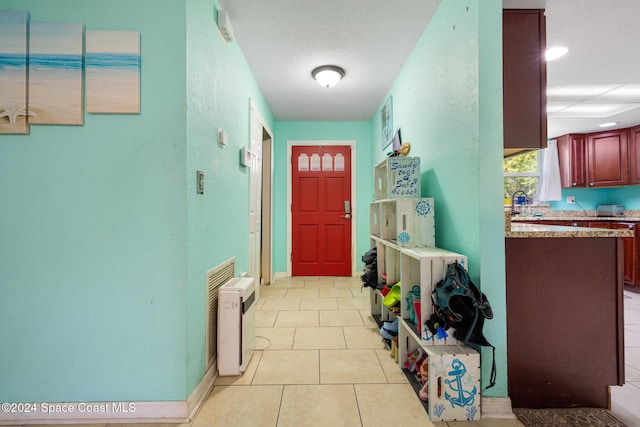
(576, 218)
(544, 213)
(519, 230)
(564, 305)
(564, 293)
(541, 230)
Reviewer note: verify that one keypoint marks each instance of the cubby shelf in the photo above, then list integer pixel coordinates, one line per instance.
(453, 387)
(403, 231)
(409, 222)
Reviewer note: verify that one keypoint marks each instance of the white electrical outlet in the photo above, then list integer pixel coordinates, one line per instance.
(571, 200)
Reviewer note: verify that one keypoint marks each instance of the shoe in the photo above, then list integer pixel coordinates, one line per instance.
(423, 394)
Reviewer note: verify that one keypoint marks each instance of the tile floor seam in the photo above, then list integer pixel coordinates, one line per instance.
(280, 406)
(355, 393)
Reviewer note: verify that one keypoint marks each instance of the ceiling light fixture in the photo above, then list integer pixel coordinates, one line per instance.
(555, 53)
(327, 75)
(608, 125)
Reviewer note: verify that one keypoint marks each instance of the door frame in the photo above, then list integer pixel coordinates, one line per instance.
(346, 143)
(266, 227)
(266, 252)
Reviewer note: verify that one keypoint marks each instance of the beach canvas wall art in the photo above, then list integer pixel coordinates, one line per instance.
(113, 72)
(56, 73)
(14, 26)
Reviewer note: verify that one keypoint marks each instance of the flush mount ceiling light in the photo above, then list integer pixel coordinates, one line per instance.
(327, 75)
(555, 53)
(608, 124)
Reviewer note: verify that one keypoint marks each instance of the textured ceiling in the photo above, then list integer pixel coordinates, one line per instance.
(283, 40)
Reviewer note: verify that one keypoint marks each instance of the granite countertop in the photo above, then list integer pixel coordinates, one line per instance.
(576, 218)
(541, 230)
(519, 230)
(544, 213)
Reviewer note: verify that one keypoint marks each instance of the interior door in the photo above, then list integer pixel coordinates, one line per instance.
(321, 211)
(255, 197)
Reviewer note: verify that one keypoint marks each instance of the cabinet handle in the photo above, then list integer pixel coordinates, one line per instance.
(591, 184)
(574, 184)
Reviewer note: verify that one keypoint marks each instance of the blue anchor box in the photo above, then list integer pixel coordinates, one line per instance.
(453, 383)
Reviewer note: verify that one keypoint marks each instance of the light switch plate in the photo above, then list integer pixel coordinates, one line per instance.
(200, 182)
(222, 138)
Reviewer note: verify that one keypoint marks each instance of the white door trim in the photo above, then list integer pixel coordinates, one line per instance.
(348, 143)
(254, 115)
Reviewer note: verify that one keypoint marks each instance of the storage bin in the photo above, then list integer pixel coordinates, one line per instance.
(397, 177)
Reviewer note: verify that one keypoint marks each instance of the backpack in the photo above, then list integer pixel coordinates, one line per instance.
(370, 275)
(459, 304)
(371, 256)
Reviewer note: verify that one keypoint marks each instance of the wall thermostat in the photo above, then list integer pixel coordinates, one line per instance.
(245, 157)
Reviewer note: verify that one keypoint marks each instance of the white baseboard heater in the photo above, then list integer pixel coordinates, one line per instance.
(236, 325)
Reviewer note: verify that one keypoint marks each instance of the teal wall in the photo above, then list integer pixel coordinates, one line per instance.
(314, 131)
(448, 102)
(219, 89)
(104, 243)
(589, 198)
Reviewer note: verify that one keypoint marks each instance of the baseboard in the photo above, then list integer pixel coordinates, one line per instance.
(497, 407)
(202, 390)
(94, 413)
(174, 412)
(283, 275)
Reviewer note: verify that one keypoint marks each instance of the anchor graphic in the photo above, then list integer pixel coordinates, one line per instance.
(465, 397)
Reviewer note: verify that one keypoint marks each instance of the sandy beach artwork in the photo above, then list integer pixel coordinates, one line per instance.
(13, 72)
(112, 72)
(55, 73)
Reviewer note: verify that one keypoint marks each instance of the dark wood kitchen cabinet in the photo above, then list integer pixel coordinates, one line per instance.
(524, 74)
(565, 330)
(634, 155)
(631, 247)
(607, 161)
(597, 159)
(572, 150)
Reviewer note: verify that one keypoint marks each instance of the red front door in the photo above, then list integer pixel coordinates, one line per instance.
(321, 211)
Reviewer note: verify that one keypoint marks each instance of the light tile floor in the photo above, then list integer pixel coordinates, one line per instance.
(625, 400)
(322, 363)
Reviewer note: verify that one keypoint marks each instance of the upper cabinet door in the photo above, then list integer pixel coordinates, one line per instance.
(608, 164)
(572, 157)
(524, 78)
(634, 155)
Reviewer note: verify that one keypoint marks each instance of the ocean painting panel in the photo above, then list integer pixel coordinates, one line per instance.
(113, 72)
(55, 73)
(14, 25)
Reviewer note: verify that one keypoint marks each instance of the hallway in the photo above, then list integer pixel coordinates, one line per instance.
(323, 364)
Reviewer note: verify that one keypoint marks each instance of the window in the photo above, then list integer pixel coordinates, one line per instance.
(522, 172)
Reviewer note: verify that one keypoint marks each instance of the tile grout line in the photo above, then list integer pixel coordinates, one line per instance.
(280, 405)
(355, 394)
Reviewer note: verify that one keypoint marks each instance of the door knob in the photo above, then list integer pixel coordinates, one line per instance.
(346, 216)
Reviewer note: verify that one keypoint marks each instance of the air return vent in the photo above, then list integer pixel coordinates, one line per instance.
(216, 277)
